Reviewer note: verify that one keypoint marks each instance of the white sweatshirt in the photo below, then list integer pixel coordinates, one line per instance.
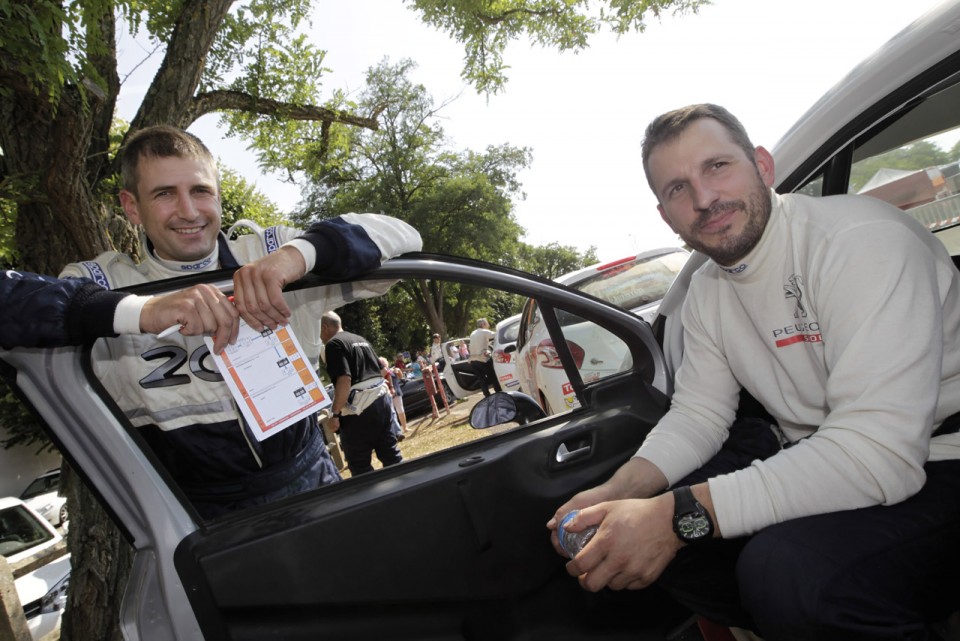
(844, 322)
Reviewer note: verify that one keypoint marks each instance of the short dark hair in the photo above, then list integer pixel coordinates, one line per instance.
(666, 127)
(160, 141)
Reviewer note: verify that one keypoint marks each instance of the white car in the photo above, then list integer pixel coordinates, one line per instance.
(458, 372)
(636, 283)
(43, 495)
(505, 352)
(42, 591)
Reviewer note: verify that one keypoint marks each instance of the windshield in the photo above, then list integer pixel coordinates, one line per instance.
(20, 530)
(637, 283)
(42, 485)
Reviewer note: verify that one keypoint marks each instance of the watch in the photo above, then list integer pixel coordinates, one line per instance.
(691, 521)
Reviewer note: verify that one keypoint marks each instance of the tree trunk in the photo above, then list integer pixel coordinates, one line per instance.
(100, 564)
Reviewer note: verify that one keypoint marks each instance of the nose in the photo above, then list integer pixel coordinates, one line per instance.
(703, 195)
(186, 208)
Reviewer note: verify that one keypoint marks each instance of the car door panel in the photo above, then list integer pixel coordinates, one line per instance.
(451, 545)
(440, 536)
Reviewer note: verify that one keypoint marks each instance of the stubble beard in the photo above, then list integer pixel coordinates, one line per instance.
(732, 249)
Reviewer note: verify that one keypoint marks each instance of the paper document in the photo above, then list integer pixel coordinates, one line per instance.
(270, 378)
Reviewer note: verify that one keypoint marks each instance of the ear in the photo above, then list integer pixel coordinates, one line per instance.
(129, 203)
(764, 160)
(666, 219)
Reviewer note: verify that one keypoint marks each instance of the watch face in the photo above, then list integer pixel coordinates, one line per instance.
(693, 526)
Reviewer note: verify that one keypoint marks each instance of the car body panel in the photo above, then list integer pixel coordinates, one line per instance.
(17, 520)
(637, 282)
(43, 495)
(505, 352)
(460, 376)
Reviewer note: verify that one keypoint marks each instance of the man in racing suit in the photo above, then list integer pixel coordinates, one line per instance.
(166, 387)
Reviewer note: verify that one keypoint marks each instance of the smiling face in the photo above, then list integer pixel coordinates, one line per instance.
(711, 193)
(177, 201)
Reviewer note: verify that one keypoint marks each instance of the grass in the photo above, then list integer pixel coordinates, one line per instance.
(427, 434)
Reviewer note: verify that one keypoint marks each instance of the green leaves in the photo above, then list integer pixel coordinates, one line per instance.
(486, 27)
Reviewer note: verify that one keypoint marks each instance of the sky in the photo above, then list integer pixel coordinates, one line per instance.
(583, 115)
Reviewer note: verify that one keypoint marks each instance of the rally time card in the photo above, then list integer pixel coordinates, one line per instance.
(270, 378)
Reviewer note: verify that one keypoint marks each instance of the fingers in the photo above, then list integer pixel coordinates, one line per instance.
(258, 287)
(201, 309)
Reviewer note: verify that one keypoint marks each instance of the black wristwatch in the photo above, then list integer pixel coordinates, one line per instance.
(691, 521)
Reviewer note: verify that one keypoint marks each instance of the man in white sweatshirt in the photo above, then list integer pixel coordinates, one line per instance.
(841, 315)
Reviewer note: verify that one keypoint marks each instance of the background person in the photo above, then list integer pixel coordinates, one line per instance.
(436, 353)
(393, 376)
(481, 341)
(362, 409)
(849, 531)
(171, 190)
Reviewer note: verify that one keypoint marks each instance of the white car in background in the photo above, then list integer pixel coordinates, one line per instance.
(42, 591)
(505, 352)
(43, 495)
(636, 283)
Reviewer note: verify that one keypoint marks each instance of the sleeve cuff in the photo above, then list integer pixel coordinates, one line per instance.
(126, 319)
(306, 249)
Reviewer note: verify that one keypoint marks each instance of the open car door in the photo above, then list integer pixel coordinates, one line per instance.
(450, 545)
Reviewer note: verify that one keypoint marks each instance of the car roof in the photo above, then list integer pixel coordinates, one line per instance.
(509, 319)
(579, 274)
(9, 501)
(927, 41)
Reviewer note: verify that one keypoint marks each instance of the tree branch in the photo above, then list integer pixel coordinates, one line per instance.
(224, 100)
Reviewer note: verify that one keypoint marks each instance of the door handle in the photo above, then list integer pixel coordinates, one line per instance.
(573, 450)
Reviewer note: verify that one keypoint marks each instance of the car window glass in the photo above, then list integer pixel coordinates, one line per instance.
(530, 317)
(508, 334)
(633, 284)
(41, 485)
(385, 313)
(596, 353)
(19, 531)
(913, 164)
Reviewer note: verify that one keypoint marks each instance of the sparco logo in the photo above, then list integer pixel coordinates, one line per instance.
(195, 266)
(734, 270)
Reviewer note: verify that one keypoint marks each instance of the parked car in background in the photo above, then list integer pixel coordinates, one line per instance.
(458, 372)
(416, 401)
(43, 590)
(43, 495)
(636, 283)
(505, 352)
(473, 559)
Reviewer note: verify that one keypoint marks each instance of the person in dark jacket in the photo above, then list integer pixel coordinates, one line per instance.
(362, 408)
(42, 311)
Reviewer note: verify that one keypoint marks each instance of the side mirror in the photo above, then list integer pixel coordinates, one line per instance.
(504, 407)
